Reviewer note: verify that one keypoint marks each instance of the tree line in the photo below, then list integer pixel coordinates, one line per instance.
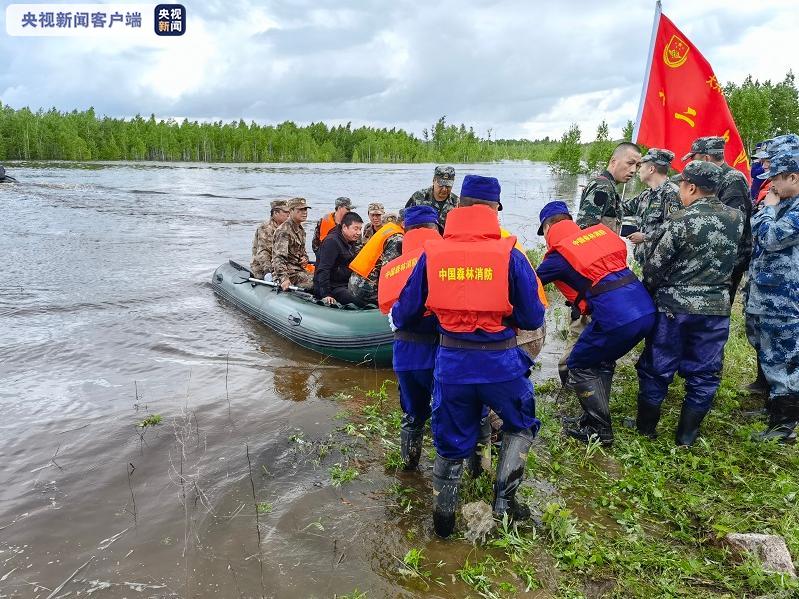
(761, 111)
(82, 135)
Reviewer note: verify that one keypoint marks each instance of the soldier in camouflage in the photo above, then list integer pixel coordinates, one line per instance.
(772, 306)
(342, 206)
(264, 236)
(365, 289)
(600, 202)
(653, 206)
(376, 211)
(688, 272)
(734, 192)
(289, 256)
(439, 195)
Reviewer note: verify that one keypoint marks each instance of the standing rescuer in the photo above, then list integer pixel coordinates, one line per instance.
(438, 196)
(415, 347)
(479, 287)
(689, 272)
(589, 266)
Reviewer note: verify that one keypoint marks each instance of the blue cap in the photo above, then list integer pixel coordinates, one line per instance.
(551, 209)
(481, 188)
(787, 161)
(419, 215)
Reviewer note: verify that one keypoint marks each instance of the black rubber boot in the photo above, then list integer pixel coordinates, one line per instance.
(510, 473)
(411, 440)
(592, 393)
(782, 419)
(563, 373)
(760, 385)
(446, 479)
(647, 418)
(480, 460)
(688, 427)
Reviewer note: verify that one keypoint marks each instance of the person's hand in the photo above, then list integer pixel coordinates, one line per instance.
(329, 300)
(771, 199)
(284, 284)
(636, 237)
(391, 324)
(304, 261)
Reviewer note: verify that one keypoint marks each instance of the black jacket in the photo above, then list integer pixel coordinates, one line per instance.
(333, 263)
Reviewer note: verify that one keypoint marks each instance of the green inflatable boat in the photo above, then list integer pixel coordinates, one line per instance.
(352, 335)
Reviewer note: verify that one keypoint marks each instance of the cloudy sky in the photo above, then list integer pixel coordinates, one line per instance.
(521, 68)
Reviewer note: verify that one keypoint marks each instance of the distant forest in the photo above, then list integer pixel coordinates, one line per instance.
(55, 135)
(761, 110)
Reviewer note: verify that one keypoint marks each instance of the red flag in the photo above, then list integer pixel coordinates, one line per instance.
(682, 99)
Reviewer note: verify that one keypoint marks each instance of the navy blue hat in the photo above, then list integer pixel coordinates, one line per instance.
(481, 188)
(419, 215)
(551, 209)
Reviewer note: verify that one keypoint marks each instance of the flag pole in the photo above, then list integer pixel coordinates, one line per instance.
(645, 85)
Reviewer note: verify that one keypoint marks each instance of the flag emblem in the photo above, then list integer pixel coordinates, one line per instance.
(676, 52)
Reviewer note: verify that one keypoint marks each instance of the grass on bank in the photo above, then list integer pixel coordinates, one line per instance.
(639, 519)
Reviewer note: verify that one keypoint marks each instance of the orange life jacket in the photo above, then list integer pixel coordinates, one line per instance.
(364, 262)
(328, 222)
(467, 272)
(542, 295)
(396, 273)
(593, 252)
(763, 191)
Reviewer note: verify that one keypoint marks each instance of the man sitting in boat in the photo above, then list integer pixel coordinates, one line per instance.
(332, 273)
(376, 211)
(289, 256)
(261, 264)
(382, 247)
(325, 224)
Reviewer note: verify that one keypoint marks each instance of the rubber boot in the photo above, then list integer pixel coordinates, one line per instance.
(759, 386)
(647, 419)
(446, 479)
(510, 473)
(592, 393)
(563, 373)
(411, 440)
(480, 460)
(688, 427)
(782, 419)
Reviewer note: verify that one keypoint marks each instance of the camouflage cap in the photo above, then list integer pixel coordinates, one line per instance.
(713, 145)
(783, 143)
(445, 175)
(702, 174)
(761, 149)
(390, 217)
(295, 203)
(279, 204)
(346, 202)
(658, 156)
(376, 208)
(787, 161)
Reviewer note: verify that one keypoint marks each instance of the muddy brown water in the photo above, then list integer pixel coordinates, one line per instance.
(106, 317)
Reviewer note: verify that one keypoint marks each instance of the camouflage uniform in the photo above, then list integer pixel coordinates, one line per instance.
(316, 241)
(689, 270)
(652, 207)
(288, 252)
(424, 197)
(365, 289)
(600, 203)
(772, 306)
(262, 244)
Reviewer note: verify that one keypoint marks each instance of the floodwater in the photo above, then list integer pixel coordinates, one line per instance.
(107, 317)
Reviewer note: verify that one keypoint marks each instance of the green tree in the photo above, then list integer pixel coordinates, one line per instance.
(566, 158)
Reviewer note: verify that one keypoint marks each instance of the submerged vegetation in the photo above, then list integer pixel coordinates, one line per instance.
(641, 518)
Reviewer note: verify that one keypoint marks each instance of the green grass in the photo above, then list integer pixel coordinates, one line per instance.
(638, 519)
(151, 420)
(340, 474)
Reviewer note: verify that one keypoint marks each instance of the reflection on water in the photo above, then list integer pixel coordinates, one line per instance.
(107, 318)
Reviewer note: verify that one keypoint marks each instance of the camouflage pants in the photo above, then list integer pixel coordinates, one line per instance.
(776, 341)
(302, 279)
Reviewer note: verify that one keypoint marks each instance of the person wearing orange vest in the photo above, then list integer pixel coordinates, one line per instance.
(382, 247)
(589, 266)
(414, 351)
(481, 289)
(326, 224)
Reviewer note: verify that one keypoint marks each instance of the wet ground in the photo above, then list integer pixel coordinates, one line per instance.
(107, 318)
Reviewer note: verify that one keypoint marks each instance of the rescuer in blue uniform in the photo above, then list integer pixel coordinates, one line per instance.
(479, 287)
(415, 347)
(589, 266)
